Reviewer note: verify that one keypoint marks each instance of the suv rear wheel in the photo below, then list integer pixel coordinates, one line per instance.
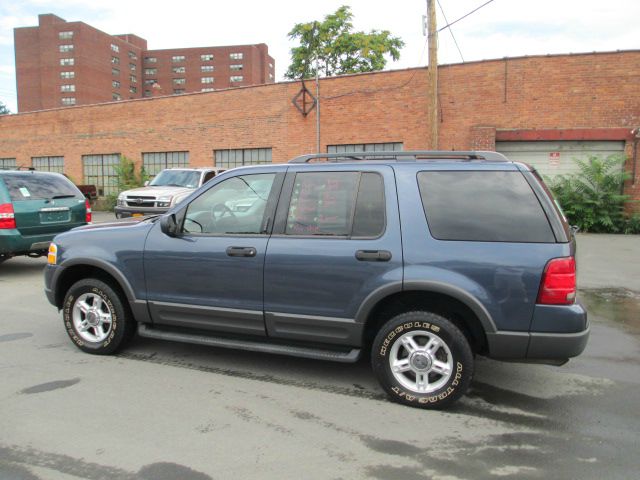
(423, 360)
(95, 317)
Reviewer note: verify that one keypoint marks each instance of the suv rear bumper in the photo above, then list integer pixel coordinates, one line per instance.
(557, 334)
(12, 242)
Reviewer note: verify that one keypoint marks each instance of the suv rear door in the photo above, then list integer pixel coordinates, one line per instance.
(44, 203)
(335, 241)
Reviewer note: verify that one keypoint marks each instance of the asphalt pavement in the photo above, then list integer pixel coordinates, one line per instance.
(162, 410)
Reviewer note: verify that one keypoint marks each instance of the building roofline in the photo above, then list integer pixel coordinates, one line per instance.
(149, 50)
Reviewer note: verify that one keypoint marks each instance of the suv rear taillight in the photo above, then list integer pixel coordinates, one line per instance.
(558, 286)
(7, 217)
(88, 205)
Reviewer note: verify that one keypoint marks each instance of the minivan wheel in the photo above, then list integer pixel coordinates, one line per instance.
(422, 359)
(95, 317)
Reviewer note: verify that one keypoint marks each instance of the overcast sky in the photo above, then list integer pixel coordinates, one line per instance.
(503, 28)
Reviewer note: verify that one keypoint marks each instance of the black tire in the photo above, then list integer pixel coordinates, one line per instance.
(432, 377)
(96, 318)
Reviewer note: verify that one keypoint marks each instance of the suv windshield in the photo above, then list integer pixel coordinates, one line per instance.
(34, 186)
(177, 178)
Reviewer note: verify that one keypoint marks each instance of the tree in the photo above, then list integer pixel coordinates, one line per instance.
(3, 109)
(338, 49)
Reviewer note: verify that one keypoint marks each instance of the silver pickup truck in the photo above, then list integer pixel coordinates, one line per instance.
(168, 188)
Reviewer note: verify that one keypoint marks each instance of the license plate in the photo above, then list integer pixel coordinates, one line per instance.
(56, 215)
(137, 215)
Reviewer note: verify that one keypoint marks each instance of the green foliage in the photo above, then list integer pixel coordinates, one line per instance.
(592, 199)
(338, 49)
(4, 110)
(128, 178)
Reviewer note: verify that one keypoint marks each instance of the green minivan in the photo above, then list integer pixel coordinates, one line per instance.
(34, 207)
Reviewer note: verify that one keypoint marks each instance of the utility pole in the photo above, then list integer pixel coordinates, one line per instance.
(433, 72)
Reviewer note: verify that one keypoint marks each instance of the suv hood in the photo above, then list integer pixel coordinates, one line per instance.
(159, 191)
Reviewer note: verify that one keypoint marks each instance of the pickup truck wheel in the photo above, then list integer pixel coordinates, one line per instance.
(95, 317)
(423, 360)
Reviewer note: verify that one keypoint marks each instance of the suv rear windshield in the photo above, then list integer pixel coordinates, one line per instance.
(39, 186)
(483, 206)
(177, 178)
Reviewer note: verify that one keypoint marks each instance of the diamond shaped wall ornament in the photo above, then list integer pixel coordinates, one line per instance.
(304, 100)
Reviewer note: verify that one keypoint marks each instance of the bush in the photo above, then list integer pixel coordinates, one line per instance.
(592, 199)
(127, 179)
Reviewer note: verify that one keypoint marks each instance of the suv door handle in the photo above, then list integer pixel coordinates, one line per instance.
(373, 255)
(241, 251)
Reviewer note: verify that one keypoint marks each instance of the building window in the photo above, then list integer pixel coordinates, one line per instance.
(236, 56)
(365, 147)
(178, 69)
(150, 81)
(100, 170)
(66, 62)
(207, 57)
(115, 48)
(65, 48)
(115, 60)
(133, 79)
(207, 80)
(150, 60)
(150, 71)
(116, 96)
(236, 67)
(206, 68)
(48, 164)
(8, 164)
(132, 55)
(155, 162)
(65, 35)
(68, 88)
(236, 78)
(147, 93)
(238, 157)
(271, 66)
(178, 90)
(67, 75)
(178, 81)
(208, 90)
(270, 76)
(115, 83)
(69, 101)
(115, 71)
(178, 58)
(132, 67)
(133, 90)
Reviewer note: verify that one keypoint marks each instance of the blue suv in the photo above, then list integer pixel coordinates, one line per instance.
(421, 259)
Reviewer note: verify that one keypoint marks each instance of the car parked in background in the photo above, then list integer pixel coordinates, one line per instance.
(168, 188)
(34, 207)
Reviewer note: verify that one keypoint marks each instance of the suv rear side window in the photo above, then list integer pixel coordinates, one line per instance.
(337, 204)
(485, 206)
(29, 186)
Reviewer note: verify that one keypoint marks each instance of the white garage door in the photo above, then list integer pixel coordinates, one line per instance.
(555, 158)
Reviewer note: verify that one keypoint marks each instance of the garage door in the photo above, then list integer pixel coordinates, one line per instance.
(556, 158)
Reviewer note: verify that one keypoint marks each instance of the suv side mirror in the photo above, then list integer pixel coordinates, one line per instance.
(169, 226)
(146, 183)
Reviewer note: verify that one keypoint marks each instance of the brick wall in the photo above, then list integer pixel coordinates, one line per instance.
(593, 92)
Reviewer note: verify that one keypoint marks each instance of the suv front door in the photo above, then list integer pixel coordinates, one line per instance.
(336, 240)
(210, 276)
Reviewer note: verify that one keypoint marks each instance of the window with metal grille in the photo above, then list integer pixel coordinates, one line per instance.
(48, 164)
(115, 60)
(150, 71)
(179, 81)
(115, 48)
(132, 55)
(154, 162)
(115, 83)
(236, 56)
(207, 80)
(66, 61)
(115, 71)
(236, 67)
(206, 68)
(236, 78)
(66, 48)
(178, 58)
(150, 60)
(245, 156)
(65, 35)
(365, 147)
(179, 69)
(68, 88)
(68, 101)
(67, 75)
(100, 170)
(207, 57)
(7, 163)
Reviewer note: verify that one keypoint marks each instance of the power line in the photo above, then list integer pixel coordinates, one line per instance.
(465, 16)
(451, 31)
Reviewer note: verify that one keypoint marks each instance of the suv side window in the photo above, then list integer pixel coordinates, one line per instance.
(349, 204)
(208, 176)
(234, 206)
(484, 206)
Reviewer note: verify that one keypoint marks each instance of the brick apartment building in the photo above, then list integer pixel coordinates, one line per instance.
(60, 63)
(545, 110)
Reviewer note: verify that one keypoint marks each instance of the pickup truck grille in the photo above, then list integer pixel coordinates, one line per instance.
(140, 201)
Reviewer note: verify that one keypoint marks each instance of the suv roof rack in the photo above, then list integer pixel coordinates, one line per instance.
(401, 156)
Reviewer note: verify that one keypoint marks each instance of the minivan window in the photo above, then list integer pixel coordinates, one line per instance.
(489, 206)
(34, 186)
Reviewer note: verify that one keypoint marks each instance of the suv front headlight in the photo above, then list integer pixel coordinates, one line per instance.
(164, 201)
(120, 200)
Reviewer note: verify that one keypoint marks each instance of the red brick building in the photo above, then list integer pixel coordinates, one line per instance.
(544, 109)
(61, 63)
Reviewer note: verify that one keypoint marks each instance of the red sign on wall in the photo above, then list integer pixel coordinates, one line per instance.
(554, 159)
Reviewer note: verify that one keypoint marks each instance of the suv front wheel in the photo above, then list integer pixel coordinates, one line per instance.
(422, 359)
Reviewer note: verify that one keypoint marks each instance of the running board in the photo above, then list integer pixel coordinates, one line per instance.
(350, 356)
